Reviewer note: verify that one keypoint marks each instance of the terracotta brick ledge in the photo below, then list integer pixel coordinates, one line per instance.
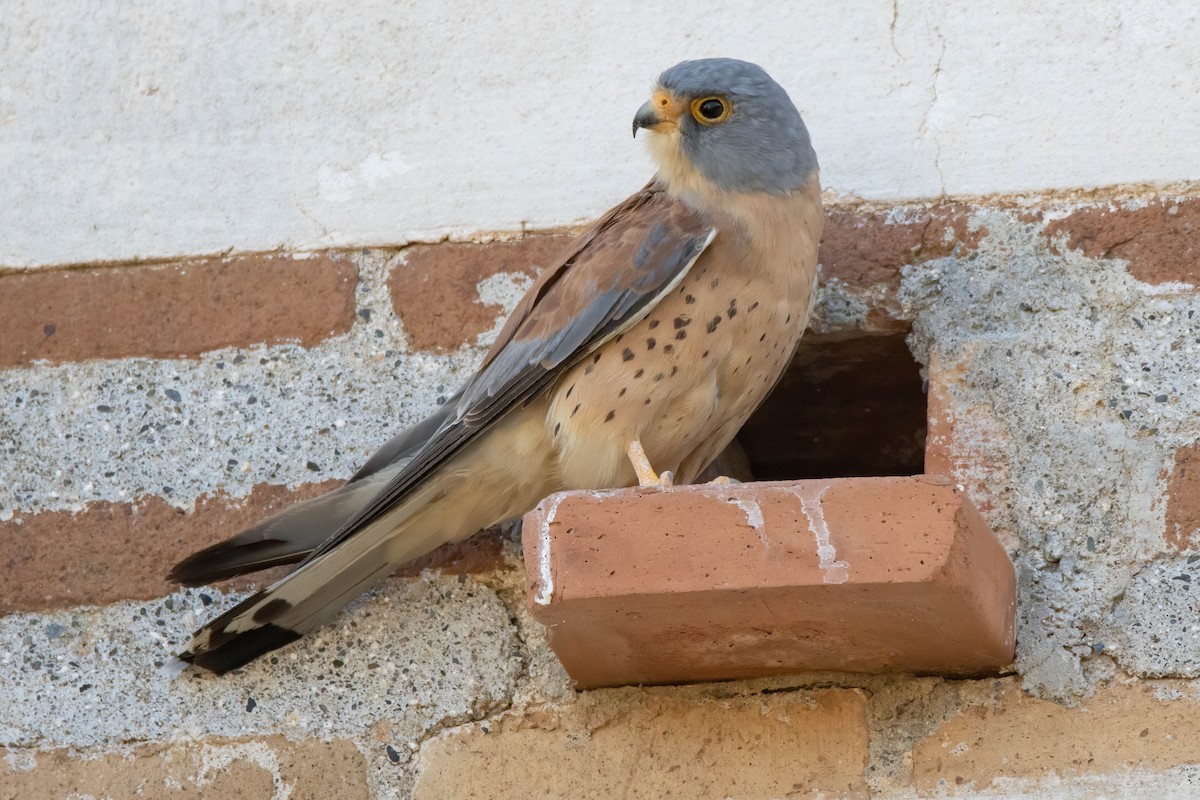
(712, 582)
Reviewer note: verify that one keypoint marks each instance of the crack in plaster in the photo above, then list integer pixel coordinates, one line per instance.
(892, 27)
(923, 129)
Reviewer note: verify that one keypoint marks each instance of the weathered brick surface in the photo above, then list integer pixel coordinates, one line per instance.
(174, 310)
(118, 551)
(231, 770)
(710, 582)
(1019, 736)
(187, 308)
(864, 251)
(867, 248)
(1183, 500)
(658, 745)
(960, 440)
(434, 289)
(1160, 239)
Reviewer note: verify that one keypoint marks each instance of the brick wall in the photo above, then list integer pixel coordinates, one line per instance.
(150, 409)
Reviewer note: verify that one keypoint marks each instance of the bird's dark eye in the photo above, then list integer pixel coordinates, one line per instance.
(710, 110)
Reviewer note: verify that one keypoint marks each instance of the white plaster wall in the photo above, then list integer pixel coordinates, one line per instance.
(149, 129)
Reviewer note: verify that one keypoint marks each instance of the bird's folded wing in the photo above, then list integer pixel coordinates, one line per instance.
(404, 444)
(608, 279)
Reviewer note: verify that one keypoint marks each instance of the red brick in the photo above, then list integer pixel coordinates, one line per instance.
(865, 249)
(269, 766)
(961, 440)
(1160, 240)
(1015, 737)
(434, 290)
(659, 743)
(1183, 500)
(179, 309)
(715, 582)
(122, 551)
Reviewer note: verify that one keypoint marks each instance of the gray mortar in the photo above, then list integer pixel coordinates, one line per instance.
(113, 430)
(1176, 783)
(542, 681)
(407, 661)
(901, 713)
(1155, 629)
(419, 653)
(1072, 358)
(839, 308)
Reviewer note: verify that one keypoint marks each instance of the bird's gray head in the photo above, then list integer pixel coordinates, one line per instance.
(726, 122)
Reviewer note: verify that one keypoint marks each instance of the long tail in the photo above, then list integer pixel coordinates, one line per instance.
(497, 478)
(289, 608)
(292, 534)
(285, 538)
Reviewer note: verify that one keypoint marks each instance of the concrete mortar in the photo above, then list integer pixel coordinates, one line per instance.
(1177, 783)
(419, 653)
(1075, 377)
(901, 712)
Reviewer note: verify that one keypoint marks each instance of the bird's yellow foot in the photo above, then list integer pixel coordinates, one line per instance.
(645, 473)
(723, 480)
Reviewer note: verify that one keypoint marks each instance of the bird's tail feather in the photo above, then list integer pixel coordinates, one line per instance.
(284, 538)
(318, 589)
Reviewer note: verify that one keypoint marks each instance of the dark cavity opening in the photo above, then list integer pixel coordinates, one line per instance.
(850, 405)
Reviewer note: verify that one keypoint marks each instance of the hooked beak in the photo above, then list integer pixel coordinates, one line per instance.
(662, 111)
(647, 117)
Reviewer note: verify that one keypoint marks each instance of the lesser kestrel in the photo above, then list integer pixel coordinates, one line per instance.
(634, 358)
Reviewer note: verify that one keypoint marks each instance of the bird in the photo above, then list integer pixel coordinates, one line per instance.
(632, 360)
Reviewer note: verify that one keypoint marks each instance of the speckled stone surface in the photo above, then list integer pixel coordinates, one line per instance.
(228, 420)
(417, 652)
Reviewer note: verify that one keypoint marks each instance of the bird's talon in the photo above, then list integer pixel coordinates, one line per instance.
(723, 480)
(666, 479)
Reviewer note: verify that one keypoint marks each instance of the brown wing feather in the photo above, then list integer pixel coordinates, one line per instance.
(609, 278)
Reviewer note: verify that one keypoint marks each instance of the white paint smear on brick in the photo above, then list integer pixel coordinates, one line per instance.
(134, 131)
(545, 592)
(750, 507)
(810, 503)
